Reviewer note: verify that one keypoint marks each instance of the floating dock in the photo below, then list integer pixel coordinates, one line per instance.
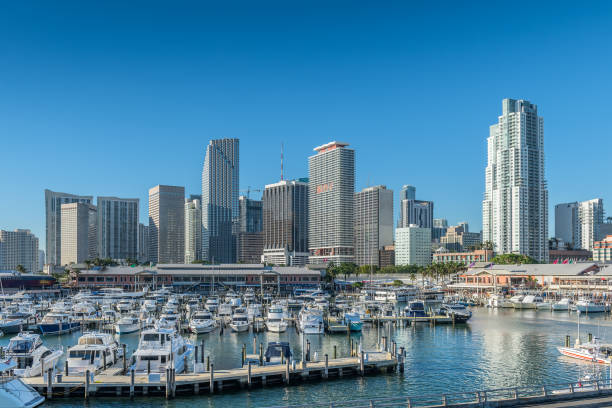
(211, 381)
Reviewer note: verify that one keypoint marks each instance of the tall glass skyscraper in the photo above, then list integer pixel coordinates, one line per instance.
(167, 224)
(220, 188)
(515, 207)
(331, 204)
(118, 227)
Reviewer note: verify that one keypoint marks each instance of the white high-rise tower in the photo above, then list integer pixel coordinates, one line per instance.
(515, 206)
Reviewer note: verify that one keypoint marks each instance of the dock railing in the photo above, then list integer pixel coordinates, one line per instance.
(500, 397)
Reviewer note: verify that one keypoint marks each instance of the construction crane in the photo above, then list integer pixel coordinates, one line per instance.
(248, 191)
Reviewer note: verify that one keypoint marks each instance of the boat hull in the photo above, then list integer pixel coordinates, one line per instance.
(58, 328)
(126, 328)
(582, 355)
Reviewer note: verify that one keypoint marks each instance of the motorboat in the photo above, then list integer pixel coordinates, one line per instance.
(84, 311)
(32, 356)
(249, 296)
(562, 305)
(168, 321)
(529, 302)
(458, 312)
(14, 393)
(149, 306)
(233, 299)
(586, 305)
(224, 313)
(202, 322)
(128, 324)
(212, 304)
(240, 321)
(310, 321)
(517, 300)
(161, 348)
(10, 323)
(92, 352)
(415, 309)
(353, 320)
(277, 353)
(124, 306)
(58, 323)
(275, 319)
(592, 351)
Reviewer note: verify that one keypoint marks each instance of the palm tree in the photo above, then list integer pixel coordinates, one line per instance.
(20, 269)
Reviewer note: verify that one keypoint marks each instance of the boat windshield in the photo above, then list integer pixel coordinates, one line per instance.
(20, 346)
(90, 340)
(82, 354)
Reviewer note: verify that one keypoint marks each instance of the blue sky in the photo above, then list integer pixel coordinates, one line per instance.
(116, 97)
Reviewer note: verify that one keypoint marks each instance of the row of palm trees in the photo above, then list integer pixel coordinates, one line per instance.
(435, 271)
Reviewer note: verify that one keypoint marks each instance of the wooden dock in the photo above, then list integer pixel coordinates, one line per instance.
(213, 381)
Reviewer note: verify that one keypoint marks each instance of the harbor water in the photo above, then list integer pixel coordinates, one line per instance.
(498, 348)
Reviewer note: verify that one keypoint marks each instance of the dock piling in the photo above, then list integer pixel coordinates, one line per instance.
(361, 363)
(287, 374)
(167, 383)
(261, 355)
(132, 384)
(249, 374)
(244, 354)
(212, 378)
(308, 350)
(49, 383)
(123, 346)
(86, 385)
(335, 352)
(66, 368)
(202, 351)
(326, 371)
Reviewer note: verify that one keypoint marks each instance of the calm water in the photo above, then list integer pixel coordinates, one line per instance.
(498, 348)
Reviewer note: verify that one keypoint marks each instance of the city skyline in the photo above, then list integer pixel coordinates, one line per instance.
(387, 86)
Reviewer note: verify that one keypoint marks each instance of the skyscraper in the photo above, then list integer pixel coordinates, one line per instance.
(416, 212)
(193, 230)
(413, 246)
(285, 222)
(118, 227)
(331, 204)
(143, 243)
(167, 224)
(250, 230)
(19, 247)
(79, 233)
(567, 224)
(515, 205)
(53, 223)
(408, 192)
(220, 187)
(373, 223)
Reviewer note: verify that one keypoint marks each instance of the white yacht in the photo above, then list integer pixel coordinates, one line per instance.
(224, 313)
(311, 321)
(14, 393)
(233, 299)
(84, 311)
(149, 306)
(124, 306)
(168, 321)
(91, 351)
(275, 320)
(202, 322)
(128, 324)
(10, 323)
(58, 323)
(28, 351)
(159, 349)
(212, 304)
(249, 295)
(240, 320)
(517, 300)
(562, 305)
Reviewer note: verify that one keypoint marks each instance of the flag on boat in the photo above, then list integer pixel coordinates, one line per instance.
(565, 261)
(556, 261)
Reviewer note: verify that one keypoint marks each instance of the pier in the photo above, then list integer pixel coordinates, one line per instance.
(115, 382)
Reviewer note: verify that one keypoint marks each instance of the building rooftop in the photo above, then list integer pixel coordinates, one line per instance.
(576, 269)
(330, 146)
(199, 269)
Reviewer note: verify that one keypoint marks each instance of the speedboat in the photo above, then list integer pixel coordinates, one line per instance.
(275, 321)
(14, 393)
(517, 300)
(92, 351)
(240, 321)
(202, 322)
(277, 353)
(28, 350)
(127, 324)
(415, 309)
(58, 323)
(562, 305)
(311, 321)
(159, 349)
(586, 305)
(457, 311)
(353, 320)
(529, 302)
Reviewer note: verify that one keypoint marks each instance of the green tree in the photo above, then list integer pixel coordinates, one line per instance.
(513, 259)
(20, 269)
(397, 283)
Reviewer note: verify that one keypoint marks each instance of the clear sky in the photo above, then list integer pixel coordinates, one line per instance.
(115, 97)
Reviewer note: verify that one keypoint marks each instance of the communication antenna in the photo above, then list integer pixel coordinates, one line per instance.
(282, 161)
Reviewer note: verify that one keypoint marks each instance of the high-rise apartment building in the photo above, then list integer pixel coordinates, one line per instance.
(515, 205)
(118, 227)
(285, 223)
(331, 204)
(167, 224)
(143, 243)
(412, 246)
(250, 230)
(590, 215)
(220, 187)
(79, 233)
(579, 224)
(53, 223)
(459, 239)
(19, 247)
(439, 229)
(408, 192)
(373, 224)
(193, 230)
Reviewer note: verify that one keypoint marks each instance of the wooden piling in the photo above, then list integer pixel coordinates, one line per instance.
(326, 371)
(335, 352)
(243, 355)
(207, 363)
(49, 383)
(287, 373)
(167, 383)
(66, 368)
(212, 378)
(86, 385)
(361, 363)
(123, 346)
(261, 355)
(132, 384)
(202, 349)
(249, 374)
(173, 382)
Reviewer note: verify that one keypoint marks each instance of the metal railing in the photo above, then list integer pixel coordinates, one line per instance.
(510, 396)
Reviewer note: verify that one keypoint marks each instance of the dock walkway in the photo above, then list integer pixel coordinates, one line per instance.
(108, 384)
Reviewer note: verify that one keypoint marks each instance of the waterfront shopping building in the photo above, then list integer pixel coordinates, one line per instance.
(199, 277)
